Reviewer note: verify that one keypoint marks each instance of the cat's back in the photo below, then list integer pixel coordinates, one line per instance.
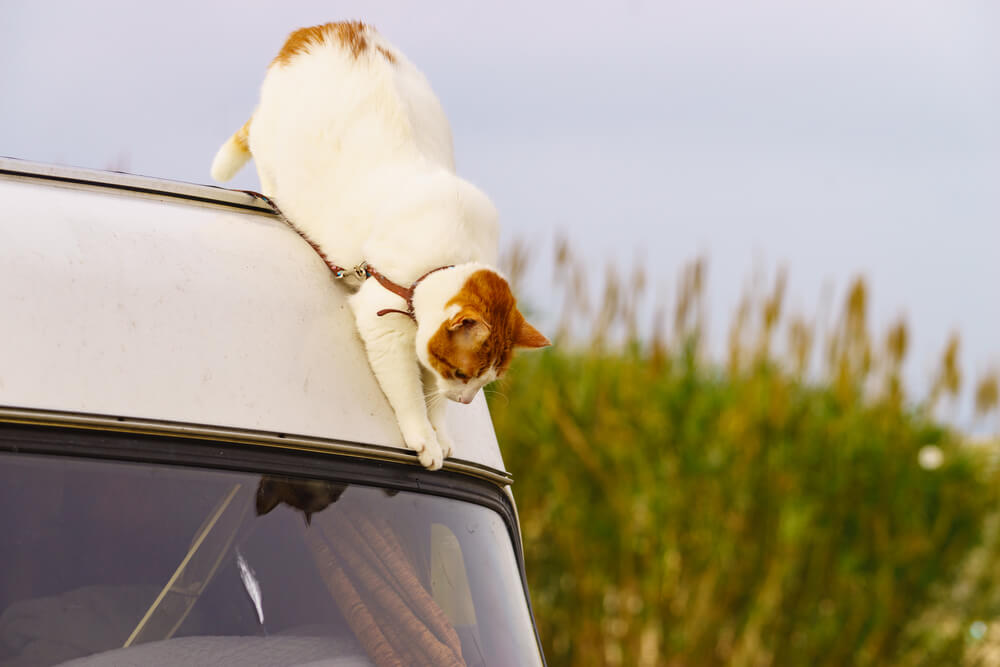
(344, 88)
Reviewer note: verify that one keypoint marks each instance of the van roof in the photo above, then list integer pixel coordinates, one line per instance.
(151, 305)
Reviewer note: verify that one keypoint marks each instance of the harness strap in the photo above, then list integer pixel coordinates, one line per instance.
(405, 292)
(363, 270)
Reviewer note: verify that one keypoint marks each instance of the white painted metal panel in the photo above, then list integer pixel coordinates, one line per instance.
(119, 303)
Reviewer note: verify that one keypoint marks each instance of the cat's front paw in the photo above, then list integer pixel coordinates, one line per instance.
(447, 446)
(424, 441)
(431, 458)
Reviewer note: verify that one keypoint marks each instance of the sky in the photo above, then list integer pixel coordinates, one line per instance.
(852, 138)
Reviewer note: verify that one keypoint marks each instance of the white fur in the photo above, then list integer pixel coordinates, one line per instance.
(229, 160)
(357, 153)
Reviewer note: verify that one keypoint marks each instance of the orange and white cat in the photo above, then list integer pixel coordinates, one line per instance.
(353, 146)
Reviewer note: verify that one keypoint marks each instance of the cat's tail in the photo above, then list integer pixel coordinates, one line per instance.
(233, 155)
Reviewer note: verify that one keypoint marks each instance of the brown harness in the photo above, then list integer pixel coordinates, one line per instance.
(396, 288)
(362, 271)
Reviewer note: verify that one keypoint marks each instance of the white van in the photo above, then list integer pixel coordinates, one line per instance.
(198, 467)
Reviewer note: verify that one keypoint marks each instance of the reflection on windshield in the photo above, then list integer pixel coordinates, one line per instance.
(115, 563)
(307, 495)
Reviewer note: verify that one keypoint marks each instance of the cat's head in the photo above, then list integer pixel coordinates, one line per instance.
(468, 328)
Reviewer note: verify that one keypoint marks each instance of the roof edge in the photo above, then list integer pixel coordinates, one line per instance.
(233, 435)
(143, 185)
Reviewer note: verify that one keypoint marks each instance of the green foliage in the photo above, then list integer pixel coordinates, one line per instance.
(676, 512)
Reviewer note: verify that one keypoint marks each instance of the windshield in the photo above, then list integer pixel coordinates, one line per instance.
(109, 563)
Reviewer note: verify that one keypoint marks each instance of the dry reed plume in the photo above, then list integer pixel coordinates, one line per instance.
(791, 505)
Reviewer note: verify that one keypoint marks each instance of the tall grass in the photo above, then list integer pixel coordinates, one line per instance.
(787, 505)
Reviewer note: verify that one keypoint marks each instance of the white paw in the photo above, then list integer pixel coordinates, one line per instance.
(432, 459)
(447, 446)
(424, 441)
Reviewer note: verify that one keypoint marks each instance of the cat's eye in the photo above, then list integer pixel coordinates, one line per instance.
(461, 376)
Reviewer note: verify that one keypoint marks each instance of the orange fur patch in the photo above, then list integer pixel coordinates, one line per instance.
(242, 136)
(352, 35)
(487, 296)
(389, 55)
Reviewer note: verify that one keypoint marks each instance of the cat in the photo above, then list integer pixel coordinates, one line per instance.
(353, 146)
(309, 496)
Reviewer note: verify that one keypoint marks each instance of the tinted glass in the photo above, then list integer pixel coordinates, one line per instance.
(119, 563)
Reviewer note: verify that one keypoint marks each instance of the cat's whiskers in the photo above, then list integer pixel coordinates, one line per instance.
(497, 392)
(433, 398)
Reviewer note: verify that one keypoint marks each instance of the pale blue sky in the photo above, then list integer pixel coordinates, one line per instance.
(856, 137)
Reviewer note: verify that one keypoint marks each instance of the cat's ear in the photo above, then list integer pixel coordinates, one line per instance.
(470, 325)
(529, 336)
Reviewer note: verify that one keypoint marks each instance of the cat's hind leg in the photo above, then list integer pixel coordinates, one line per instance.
(266, 181)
